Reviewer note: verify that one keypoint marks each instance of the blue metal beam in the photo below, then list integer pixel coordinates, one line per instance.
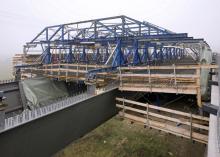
(136, 55)
(69, 58)
(118, 58)
(145, 56)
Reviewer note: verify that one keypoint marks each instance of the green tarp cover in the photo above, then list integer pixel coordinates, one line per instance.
(39, 91)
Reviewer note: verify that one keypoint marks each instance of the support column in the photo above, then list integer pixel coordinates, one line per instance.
(154, 54)
(97, 56)
(69, 58)
(106, 54)
(160, 56)
(136, 56)
(118, 58)
(83, 56)
(47, 57)
(145, 57)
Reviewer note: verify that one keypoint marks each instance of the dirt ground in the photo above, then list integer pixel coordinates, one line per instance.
(120, 138)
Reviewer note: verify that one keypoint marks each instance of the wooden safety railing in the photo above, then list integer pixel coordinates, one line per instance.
(67, 72)
(179, 123)
(181, 79)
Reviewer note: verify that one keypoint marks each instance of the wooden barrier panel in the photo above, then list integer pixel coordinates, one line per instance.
(179, 123)
(179, 79)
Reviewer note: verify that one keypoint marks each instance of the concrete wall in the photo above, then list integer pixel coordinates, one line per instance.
(47, 135)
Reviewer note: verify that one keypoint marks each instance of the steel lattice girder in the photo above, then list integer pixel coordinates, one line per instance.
(118, 26)
(121, 31)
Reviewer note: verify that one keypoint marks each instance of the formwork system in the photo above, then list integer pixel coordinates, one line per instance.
(137, 56)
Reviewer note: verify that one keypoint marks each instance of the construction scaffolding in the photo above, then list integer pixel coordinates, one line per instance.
(141, 56)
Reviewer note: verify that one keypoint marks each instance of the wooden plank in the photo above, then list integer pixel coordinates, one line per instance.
(163, 117)
(169, 128)
(75, 65)
(179, 67)
(159, 90)
(164, 109)
(158, 84)
(160, 75)
(64, 70)
(154, 79)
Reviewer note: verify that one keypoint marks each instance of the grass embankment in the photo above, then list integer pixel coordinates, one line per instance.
(117, 138)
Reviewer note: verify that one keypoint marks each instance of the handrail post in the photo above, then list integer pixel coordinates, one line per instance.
(191, 125)
(123, 102)
(198, 83)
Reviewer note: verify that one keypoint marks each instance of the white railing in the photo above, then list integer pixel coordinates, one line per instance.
(30, 115)
(7, 81)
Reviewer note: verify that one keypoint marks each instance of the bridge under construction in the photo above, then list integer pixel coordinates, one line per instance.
(78, 75)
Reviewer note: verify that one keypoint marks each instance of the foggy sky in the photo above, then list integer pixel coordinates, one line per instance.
(21, 20)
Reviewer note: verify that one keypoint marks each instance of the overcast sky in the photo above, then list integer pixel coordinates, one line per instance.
(21, 20)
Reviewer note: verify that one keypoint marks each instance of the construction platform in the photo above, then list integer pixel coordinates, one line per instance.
(175, 79)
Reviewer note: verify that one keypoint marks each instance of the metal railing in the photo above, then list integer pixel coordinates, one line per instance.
(7, 81)
(30, 115)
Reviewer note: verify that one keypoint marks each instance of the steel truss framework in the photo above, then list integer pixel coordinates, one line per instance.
(115, 41)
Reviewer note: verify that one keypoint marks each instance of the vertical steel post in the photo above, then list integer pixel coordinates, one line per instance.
(145, 56)
(136, 56)
(160, 55)
(154, 54)
(123, 25)
(106, 55)
(69, 58)
(83, 56)
(97, 56)
(118, 58)
(95, 29)
(47, 57)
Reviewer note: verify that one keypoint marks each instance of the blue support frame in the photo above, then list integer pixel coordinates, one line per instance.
(118, 58)
(154, 55)
(136, 55)
(83, 56)
(70, 57)
(145, 57)
(47, 56)
(160, 54)
(106, 55)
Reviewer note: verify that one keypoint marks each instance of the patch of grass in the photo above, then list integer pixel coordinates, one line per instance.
(120, 138)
